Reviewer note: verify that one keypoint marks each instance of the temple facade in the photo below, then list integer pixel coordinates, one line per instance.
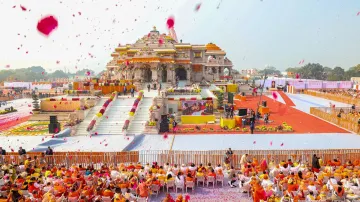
(159, 57)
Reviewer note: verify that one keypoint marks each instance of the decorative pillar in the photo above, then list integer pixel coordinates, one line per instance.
(154, 74)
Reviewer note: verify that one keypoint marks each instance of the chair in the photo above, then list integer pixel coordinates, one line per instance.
(179, 185)
(200, 179)
(155, 189)
(170, 184)
(162, 183)
(106, 199)
(72, 199)
(190, 184)
(210, 179)
(220, 178)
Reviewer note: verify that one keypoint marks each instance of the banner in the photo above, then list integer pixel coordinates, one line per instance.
(315, 84)
(197, 107)
(331, 84)
(345, 84)
(297, 84)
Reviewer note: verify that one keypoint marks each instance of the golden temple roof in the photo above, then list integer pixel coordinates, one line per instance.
(212, 47)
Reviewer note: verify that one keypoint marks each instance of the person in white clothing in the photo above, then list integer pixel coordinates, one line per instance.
(218, 167)
(183, 168)
(243, 160)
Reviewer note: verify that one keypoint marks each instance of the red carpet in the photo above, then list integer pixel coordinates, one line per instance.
(286, 99)
(300, 121)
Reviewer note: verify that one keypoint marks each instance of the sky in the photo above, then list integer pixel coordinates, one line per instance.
(254, 33)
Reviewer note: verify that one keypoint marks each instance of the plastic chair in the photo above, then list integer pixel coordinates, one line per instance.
(210, 179)
(190, 184)
(155, 189)
(170, 184)
(200, 179)
(72, 199)
(106, 199)
(220, 178)
(179, 186)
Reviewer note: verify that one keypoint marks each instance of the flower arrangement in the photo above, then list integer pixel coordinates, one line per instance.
(152, 123)
(237, 128)
(245, 130)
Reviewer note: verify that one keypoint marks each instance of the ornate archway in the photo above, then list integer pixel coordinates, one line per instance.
(181, 73)
(164, 75)
(147, 74)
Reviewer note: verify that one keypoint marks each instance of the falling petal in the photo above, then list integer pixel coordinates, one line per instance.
(254, 142)
(274, 95)
(23, 8)
(47, 24)
(170, 22)
(197, 7)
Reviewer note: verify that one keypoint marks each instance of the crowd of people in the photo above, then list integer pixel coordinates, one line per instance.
(38, 180)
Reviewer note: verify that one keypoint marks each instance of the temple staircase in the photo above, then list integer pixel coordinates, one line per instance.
(114, 119)
(81, 128)
(137, 125)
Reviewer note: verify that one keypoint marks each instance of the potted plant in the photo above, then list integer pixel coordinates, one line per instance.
(35, 103)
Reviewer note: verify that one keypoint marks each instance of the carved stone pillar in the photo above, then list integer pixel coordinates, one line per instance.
(154, 74)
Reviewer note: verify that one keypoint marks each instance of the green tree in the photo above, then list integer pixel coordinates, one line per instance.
(220, 99)
(35, 102)
(337, 74)
(58, 74)
(270, 71)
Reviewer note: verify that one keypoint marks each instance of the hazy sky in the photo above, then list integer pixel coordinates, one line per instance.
(254, 33)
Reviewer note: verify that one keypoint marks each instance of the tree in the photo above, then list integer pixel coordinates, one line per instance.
(337, 74)
(220, 99)
(35, 102)
(270, 71)
(59, 74)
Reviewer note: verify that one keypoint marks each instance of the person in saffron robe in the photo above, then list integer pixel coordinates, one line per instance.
(259, 192)
(263, 165)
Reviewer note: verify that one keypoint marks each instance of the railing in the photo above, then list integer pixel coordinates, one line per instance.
(347, 121)
(80, 158)
(217, 157)
(184, 157)
(334, 97)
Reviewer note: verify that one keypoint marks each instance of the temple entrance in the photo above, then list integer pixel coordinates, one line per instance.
(164, 75)
(147, 73)
(181, 73)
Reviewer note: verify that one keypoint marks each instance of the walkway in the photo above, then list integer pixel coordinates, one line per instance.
(287, 100)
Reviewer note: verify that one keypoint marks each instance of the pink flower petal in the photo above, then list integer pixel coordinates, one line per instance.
(7, 66)
(282, 144)
(79, 13)
(47, 24)
(23, 8)
(274, 95)
(170, 22)
(254, 142)
(197, 7)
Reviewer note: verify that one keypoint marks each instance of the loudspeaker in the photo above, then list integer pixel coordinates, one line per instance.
(164, 125)
(53, 119)
(243, 93)
(242, 112)
(264, 103)
(231, 98)
(54, 128)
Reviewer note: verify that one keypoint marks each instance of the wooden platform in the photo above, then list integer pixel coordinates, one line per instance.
(45, 116)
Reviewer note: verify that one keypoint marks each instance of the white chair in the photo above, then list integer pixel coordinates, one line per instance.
(72, 199)
(170, 184)
(200, 179)
(190, 184)
(210, 179)
(220, 178)
(179, 185)
(106, 199)
(162, 183)
(155, 189)
(142, 199)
